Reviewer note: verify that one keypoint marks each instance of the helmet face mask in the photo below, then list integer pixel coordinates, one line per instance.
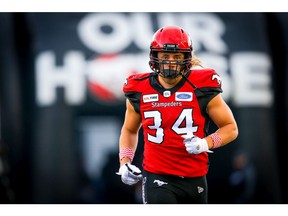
(172, 39)
(169, 69)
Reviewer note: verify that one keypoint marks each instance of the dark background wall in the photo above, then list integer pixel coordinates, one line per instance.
(61, 105)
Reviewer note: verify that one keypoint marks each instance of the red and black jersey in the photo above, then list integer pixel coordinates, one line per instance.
(167, 114)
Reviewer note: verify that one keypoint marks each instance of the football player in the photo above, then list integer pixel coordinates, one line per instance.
(174, 105)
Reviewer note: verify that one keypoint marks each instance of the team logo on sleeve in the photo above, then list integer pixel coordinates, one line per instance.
(183, 96)
(150, 98)
(217, 77)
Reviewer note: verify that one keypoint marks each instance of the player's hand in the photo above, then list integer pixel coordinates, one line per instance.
(130, 174)
(195, 145)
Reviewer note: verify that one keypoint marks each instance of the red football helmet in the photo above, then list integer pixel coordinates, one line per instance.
(170, 39)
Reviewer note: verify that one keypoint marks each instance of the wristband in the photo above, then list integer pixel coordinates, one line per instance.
(217, 140)
(126, 152)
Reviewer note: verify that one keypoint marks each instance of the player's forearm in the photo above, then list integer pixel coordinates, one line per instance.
(127, 145)
(226, 134)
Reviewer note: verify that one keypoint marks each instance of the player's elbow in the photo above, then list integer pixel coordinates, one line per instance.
(234, 132)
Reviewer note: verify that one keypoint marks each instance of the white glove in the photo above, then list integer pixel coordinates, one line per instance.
(130, 174)
(195, 145)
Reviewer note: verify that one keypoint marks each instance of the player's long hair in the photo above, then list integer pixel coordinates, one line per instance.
(196, 61)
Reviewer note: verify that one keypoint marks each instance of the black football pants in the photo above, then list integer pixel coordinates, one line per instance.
(168, 189)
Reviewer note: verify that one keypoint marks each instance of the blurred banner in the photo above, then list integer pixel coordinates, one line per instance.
(62, 106)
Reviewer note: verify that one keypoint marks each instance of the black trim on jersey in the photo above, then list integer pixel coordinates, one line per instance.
(204, 96)
(134, 98)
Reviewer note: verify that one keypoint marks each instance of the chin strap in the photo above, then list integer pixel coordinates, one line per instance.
(195, 87)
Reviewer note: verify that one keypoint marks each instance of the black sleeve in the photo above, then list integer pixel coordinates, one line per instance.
(205, 95)
(134, 98)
